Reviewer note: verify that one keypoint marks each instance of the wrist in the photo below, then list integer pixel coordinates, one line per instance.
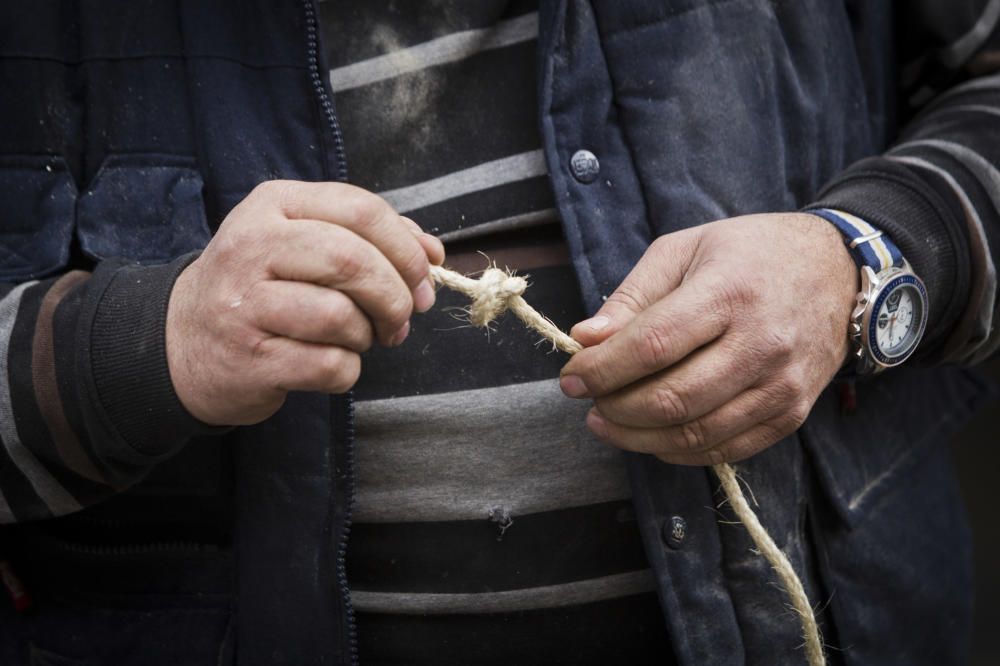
(840, 277)
(890, 316)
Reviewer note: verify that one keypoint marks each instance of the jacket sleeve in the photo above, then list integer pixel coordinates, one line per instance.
(936, 191)
(86, 402)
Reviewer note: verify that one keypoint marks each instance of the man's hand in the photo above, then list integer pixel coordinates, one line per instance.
(299, 280)
(719, 341)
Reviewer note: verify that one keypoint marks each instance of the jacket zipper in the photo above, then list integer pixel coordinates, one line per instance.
(345, 531)
(319, 87)
(326, 102)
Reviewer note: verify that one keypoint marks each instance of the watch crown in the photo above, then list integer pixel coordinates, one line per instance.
(855, 328)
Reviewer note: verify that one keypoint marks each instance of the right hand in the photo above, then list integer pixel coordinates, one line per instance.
(298, 281)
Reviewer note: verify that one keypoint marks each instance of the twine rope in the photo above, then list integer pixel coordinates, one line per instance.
(498, 291)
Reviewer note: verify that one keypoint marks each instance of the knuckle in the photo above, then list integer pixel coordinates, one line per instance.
(334, 316)
(353, 327)
(365, 341)
(779, 344)
(415, 265)
(628, 297)
(735, 294)
(590, 366)
(258, 304)
(231, 242)
(364, 335)
(257, 346)
(653, 349)
(692, 436)
(365, 208)
(773, 432)
(791, 386)
(399, 308)
(797, 415)
(668, 404)
(748, 357)
(345, 266)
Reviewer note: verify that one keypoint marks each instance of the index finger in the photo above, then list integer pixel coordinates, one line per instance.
(658, 337)
(362, 212)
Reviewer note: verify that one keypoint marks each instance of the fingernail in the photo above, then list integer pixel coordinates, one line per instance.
(423, 296)
(400, 335)
(573, 386)
(596, 323)
(597, 424)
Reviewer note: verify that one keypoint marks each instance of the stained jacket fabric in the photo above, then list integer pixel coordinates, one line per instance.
(136, 128)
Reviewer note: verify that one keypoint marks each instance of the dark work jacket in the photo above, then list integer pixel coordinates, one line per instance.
(696, 109)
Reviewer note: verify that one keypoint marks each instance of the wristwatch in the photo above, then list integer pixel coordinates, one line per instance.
(891, 313)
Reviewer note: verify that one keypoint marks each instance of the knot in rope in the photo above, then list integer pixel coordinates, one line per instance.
(493, 293)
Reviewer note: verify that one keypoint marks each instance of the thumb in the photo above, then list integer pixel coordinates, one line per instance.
(660, 270)
(618, 310)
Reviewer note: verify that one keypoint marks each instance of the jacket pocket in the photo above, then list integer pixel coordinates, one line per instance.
(893, 545)
(37, 202)
(143, 207)
(901, 416)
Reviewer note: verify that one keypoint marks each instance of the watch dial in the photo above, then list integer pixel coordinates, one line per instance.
(898, 320)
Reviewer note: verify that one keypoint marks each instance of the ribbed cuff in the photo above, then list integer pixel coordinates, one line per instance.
(913, 212)
(128, 357)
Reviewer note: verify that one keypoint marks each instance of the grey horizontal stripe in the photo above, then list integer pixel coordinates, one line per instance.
(51, 491)
(550, 596)
(962, 48)
(458, 183)
(535, 218)
(982, 83)
(450, 48)
(516, 449)
(987, 174)
(979, 108)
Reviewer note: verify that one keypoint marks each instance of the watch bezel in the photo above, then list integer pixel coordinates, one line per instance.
(869, 321)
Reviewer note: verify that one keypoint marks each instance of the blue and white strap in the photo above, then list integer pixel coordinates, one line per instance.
(867, 244)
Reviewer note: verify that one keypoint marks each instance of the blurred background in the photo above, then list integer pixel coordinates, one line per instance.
(977, 454)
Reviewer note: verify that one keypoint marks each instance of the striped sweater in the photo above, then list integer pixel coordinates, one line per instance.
(490, 526)
(86, 404)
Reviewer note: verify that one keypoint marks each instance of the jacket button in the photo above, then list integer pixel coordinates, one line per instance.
(584, 166)
(674, 531)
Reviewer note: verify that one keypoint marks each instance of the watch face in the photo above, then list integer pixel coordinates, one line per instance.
(897, 320)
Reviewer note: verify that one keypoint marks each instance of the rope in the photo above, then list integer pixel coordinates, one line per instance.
(497, 291)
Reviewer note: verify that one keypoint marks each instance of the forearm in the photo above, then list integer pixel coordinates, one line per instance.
(937, 194)
(86, 403)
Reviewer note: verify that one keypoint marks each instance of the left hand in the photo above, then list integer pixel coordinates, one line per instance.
(719, 341)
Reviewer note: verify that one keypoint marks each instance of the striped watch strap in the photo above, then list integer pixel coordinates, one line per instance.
(868, 245)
